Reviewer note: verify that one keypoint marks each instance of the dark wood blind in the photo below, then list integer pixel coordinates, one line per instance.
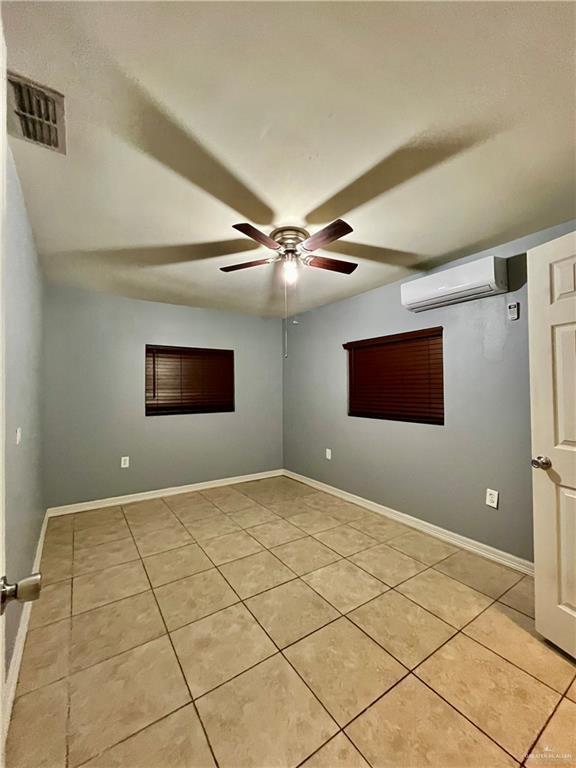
(397, 377)
(188, 380)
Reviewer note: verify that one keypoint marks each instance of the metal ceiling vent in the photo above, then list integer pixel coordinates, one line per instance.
(36, 113)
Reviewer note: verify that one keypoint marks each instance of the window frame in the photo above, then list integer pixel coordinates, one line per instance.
(181, 408)
(436, 332)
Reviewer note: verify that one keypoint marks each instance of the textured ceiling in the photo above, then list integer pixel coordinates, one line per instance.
(435, 129)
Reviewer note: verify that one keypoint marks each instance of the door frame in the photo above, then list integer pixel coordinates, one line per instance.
(3, 151)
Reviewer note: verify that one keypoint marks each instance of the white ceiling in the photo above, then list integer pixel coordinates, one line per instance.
(435, 129)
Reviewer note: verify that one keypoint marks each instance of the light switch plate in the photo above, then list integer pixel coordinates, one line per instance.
(329, 454)
(125, 462)
(491, 498)
(513, 310)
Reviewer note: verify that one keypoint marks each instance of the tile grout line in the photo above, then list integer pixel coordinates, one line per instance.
(177, 660)
(428, 685)
(409, 672)
(135, 733)
(342, 557)
(429, 566)
(350, 610)
(466, 717)
(68, 729)
(342, 615)
(276, 652)
(457, 631)
(280, 651)
(525, 576)
(494, 600)
(270, 549)
(212, 566)
(460, 630)
(299, 576)
(254, 618)
(162, 618)
(287, 660)
(541, 731)
(339, 732)
(129, 649)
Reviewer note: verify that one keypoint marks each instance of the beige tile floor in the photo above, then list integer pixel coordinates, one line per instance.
(265, 625)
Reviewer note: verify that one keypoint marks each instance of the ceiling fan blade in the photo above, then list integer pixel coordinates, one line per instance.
(245, 265)
(333, 265)
(332, 232)
(255, 234)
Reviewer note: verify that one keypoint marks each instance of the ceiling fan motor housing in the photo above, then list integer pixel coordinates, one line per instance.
(289, 237)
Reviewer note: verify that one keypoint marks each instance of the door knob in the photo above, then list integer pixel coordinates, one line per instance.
(541, 462)
(24, 590)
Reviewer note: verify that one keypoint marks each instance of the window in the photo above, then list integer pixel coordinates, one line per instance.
(188, 380)
(397, 377)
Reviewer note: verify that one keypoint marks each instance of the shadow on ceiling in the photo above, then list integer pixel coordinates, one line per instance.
(405, 163)
(375, 253)
(149, 127)
(532, 223)
(151, 256)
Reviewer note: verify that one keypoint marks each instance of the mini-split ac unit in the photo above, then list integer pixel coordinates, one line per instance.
(474, 280)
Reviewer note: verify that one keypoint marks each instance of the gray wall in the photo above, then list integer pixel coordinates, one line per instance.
(94, 395)
(94, 405)
(435, 473)
(23, 328)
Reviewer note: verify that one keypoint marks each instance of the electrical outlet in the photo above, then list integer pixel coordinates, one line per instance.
(491, 498)
(329, 454)
(125, 462)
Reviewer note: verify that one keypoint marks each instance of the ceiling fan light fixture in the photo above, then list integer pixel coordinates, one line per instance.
(295, 246)
(290, 272)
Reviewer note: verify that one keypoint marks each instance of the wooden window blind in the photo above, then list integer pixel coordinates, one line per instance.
(188, 380)
(398, 377)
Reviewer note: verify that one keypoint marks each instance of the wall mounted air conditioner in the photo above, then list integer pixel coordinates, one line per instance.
(483, 277)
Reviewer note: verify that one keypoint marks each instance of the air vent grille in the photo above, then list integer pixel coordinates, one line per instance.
(36, 113)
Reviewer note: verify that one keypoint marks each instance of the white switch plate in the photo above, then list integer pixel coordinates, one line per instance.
(125, 462)
(18, 435)
(491, 498)
(329, 454)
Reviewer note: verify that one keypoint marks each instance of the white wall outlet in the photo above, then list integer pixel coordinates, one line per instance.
(491, 498)
(329, 454)
(125, 462)
(18, 435)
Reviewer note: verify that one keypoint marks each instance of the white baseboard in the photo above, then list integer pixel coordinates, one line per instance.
(18, 650)
(491, 553)
(84, 506)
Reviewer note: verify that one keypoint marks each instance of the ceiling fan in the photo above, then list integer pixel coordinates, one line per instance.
(294, 246)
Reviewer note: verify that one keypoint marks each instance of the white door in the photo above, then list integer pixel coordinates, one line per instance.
(552, 325)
